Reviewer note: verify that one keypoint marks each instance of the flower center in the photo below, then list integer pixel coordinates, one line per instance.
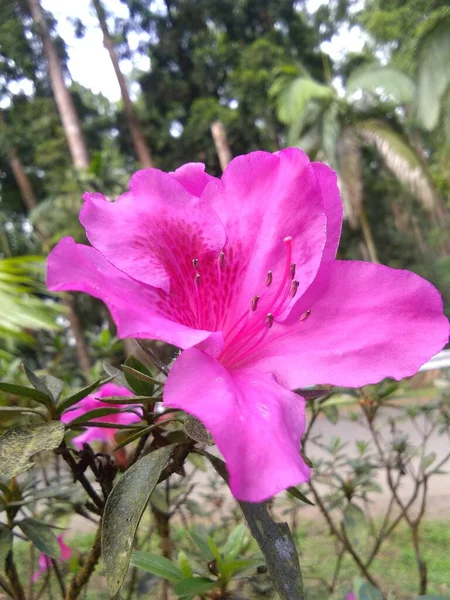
(252, 327)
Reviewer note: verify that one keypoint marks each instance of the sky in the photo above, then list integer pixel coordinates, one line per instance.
(89, 62)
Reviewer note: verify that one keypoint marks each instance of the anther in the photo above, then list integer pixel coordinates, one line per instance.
(269, 320)
(254, 303)
(305, 315)
(294, 288)
(195, 263)
(269, 278)
(292, 268)
(197, 279)
(221, 259)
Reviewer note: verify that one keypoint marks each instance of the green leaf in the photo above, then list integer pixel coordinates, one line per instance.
(80, 395)
(356, 526)
(42, 386)
(184, 565)
(115, 374)
(157, 565)
(428, 460)
(194, 585)
(275, 542)
(96, 413)
(197, 431)
(26, 392)
(433, 74)
(123, 511)
(131, 438)
(42, 536)
(10, 411)
(129, 400)
(197, 461)
(202, 545)
(234, 542)
(331, 413)
(54, 385)
(139, 377)
(294, 96)
(376, 78)
(299, 495)
(19, 444)
(401, 159)
(6, 539)
(369, 592)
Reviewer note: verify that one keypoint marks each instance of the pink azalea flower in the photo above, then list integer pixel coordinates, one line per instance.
(240, 273)
(103, 434)
(45, 561)
(351, 596)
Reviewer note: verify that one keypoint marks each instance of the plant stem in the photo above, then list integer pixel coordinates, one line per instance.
(59, 577)
(11, 572)
(83, 576)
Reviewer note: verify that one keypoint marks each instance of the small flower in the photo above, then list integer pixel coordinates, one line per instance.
(89, 403)
(351, 596)
(240, 273)
(45, 561)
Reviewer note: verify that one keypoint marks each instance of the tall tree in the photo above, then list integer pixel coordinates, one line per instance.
(20, 175)
(140, 145)
(64, 101)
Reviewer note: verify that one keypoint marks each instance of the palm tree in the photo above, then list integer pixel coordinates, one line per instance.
(329, 126)
(23, 306)
(64, 102)
(336, 127)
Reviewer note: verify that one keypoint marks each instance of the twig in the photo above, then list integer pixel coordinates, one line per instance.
(59, 577)
(79, 476)
(155, 359)
(83, 576)
(340, 535)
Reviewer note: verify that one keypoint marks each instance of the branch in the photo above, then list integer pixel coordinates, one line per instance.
(155, 359)
(83, 576)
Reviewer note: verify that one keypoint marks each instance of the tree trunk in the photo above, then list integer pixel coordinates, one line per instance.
(66, 108)
(81, 349)
(139, 143)
(221, 143)
(21, 177)
(22, 180)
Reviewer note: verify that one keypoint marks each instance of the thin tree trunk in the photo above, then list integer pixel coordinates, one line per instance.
(139, 143)
(22, 179)
(220, 141)
(66, 108)
(81, 349)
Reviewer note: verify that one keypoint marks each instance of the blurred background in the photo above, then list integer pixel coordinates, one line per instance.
(92, 90)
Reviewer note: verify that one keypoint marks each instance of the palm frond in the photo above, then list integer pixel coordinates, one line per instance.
(401, 159)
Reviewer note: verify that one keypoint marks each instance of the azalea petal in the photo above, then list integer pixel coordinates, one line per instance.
(367, 322)
(256, 423)
(327, 179)
(154, 231)
(91, 402)
(193, 178)
(263, 199)
(138, 310)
